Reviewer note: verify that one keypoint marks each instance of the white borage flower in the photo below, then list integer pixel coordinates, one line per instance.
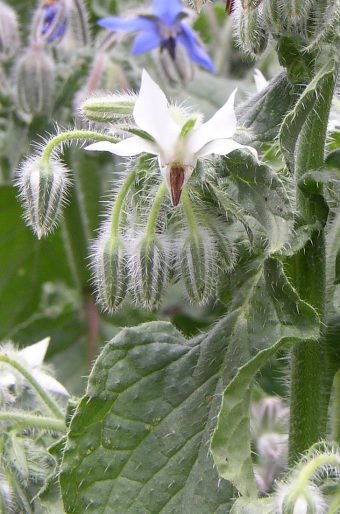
(178, 139)
(32, 358)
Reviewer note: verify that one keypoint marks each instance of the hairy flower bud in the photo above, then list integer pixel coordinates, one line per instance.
(9, 32)
(42, 189)
(274, 16)
(35, 81)
(198, 266)
(308, 501)
(110, 271)
(176, 68)
(248, 5)
(295, 10)
(49, 22)
(108, 109)
(150, 263)
(269, 415)
(252, 33)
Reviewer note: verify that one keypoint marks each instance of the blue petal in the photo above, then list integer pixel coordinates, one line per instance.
(145, 41)
(166, 10)
(126, 24)
(195, 52)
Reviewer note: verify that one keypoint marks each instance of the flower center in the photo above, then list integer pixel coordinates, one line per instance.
(176, 181)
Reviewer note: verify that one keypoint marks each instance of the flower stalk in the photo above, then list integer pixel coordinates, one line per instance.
(45, 398)
(19, 420)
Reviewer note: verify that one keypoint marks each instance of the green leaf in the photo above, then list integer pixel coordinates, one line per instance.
(260, 116)
(138, 440)
(26, 263)
(256, 191)
(152, 399)
(284, 319)
(303, 129)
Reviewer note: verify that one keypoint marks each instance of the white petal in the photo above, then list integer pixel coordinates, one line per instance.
(260, 81)
(221, 126)
(50, 383)
(223, 147)
(35, 353)
(151, 113)
(126, 148)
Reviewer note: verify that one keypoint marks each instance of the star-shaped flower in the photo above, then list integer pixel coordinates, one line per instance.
(163, 28)
(178, 139)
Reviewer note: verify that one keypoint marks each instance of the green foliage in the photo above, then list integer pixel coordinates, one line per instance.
(166, 424)
(143, 428)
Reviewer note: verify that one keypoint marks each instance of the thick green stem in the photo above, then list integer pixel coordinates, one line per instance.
(22, 420)
(308, 406)
(46, 399)
(336, 408)
(310, 384)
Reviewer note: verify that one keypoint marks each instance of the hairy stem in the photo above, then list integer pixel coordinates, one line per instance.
(74, 134)
(46, 399)
(310, 384)
(156, 205)
(22, 420)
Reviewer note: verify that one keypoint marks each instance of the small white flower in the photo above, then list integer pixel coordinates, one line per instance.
(177, 139)
(32, 357)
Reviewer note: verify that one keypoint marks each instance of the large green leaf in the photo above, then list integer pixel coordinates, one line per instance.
(26, 264)
(273, 316)
(249, 188)
(139, 439)
(260, 116)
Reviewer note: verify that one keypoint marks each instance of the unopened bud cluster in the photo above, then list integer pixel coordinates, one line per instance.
(269, 432)
(141, 250)
(259, 20)
(58, 29)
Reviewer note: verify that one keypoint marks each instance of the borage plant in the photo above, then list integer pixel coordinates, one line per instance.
(178, 425)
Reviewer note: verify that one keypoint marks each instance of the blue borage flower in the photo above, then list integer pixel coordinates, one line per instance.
(52, 10)
(163, 28)
(51, 21)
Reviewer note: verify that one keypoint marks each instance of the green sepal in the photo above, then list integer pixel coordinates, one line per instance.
(188, 125)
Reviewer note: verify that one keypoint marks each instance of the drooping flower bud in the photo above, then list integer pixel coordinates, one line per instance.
(295, 10)
(35, 81)
(177, 68)
(198, 266)
(252, 33)
(150, 266)
(274, 16)
(308, 501)
(42, 189)
(110, 270)
(9, 32)
(50, 22)
(108, 109)
(248, 5)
